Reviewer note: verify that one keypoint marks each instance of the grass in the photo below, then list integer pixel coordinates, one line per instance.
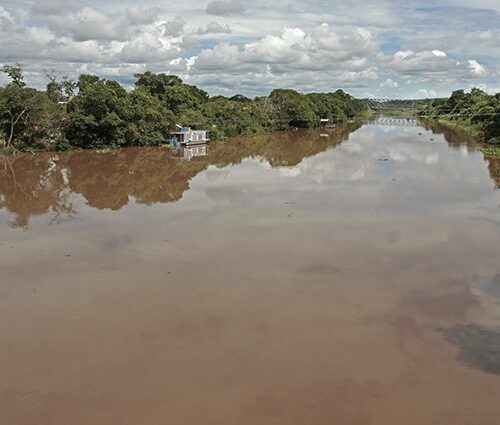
(491, 151)
(472, 129)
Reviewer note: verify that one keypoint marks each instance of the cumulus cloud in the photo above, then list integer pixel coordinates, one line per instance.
(87, 24)
(224, 55)
(146, 48)
(275, 44)
(138, 15)
(425, 94)
(225, 7)
(175, 27)
(322, 48)
(411, 63)
(389, 84)
(476, 68)
(214, 28)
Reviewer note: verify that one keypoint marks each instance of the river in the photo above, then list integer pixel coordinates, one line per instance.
(312, 277)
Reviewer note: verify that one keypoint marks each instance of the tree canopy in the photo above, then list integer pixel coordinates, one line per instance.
(476, 109)
(95, 113)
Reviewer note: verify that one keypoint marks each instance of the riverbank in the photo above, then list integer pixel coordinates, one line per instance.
(474, 131)
(101, 114)
(474, 112)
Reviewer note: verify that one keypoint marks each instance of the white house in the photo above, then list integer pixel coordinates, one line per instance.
(187, 136)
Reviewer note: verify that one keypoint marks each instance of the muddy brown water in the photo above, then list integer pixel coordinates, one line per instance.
(300, 278)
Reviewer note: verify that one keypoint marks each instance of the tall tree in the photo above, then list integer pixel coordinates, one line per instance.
(15, 73)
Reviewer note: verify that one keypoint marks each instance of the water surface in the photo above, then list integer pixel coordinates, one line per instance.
(310, 277)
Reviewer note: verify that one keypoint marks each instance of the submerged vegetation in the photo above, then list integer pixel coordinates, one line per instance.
(98, 113)
(476, 112)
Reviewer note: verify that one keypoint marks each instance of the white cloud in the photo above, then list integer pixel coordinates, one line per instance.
(214, 28)
(294, 48)
(476, 68)
(175, 27)
(148, 47)
(389, 84)
(410, 62)
(221, 56)
(138, 15)
(272, 44)
(88, 24)
(425, 93)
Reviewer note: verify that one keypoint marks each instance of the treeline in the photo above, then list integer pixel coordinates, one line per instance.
(476, 110)
(97, 113)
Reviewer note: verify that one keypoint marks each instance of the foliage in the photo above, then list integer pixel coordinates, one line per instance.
(15, 74)
(149, 120)
(98, 115)
(291, 109)
(101, 113)
(60, 89)
(491, 151)
(476, 110)
(27, 117)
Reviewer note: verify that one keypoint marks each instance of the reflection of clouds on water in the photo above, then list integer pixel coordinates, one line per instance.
(383, 158)
(433, 175)
(213, 173)
(489, 285)
(405, 156)
(222, 194)
(290, 172)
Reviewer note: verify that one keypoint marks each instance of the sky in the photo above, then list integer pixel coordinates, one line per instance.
(369, 48)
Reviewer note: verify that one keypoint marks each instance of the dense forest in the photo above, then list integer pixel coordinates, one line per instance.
(476, 111)
(97, 113)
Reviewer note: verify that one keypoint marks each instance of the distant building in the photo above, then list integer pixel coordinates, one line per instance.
(186, 136)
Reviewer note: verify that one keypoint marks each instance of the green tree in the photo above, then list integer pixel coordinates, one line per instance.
(98, 116)
(149, 121)
(15, 73)
(156, 84)
(291, 109)
(26, 116)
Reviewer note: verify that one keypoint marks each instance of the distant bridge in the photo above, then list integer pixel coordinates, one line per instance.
(387, 103)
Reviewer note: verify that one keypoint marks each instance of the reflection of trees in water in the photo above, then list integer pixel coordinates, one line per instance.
(279, 149)
(108, 180)
(494, 168)
(457, 138)
(33, 185)
(37, 184)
